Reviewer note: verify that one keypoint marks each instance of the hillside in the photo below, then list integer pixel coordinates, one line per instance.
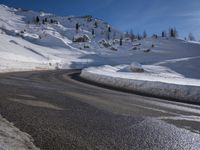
(54, 42)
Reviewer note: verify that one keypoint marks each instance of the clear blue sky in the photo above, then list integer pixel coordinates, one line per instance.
(150, 15)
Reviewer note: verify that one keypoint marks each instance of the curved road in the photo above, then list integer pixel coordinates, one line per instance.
(63, 113)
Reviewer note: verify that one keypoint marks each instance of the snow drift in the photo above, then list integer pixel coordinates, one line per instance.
(12, 138)
(157, 81)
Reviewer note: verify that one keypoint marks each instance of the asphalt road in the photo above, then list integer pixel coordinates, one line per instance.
(63, 113)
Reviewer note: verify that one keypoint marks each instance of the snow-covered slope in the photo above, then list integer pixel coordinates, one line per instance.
(46, 44)
(53, 42)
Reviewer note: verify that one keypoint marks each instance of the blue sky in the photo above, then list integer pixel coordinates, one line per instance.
(139, 15)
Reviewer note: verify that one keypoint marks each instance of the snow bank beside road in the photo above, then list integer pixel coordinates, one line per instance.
(12, 138)
(156, 80)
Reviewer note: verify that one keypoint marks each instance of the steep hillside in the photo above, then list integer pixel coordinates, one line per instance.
(50, 39)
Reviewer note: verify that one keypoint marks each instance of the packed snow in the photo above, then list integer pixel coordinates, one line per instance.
(155, 80)
(12, 138)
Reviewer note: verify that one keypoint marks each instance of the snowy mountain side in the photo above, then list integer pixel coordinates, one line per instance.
(36, 41)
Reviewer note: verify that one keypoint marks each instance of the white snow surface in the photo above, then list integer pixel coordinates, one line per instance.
(12, 138)
(27, 45)
(155, 80)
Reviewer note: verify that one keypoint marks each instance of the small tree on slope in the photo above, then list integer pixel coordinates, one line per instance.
(37, 19)
(77, 27)
(120, 41)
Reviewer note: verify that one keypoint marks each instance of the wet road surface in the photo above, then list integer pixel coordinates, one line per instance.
(60, 112)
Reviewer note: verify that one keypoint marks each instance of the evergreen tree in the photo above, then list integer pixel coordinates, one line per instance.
(109, 29)
(45, 20)
(155, 36)
(92, 31)
(77, 27)
(120, 41)
(173, 32)
(51, 21)
(163, 34)
(95, 24)
(37, 19)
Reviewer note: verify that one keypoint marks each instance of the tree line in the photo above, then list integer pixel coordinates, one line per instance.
(38, 20)
(171, 33)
